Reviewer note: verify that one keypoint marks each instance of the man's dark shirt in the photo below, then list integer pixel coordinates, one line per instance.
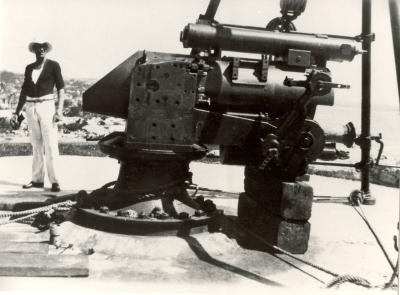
(48, 78)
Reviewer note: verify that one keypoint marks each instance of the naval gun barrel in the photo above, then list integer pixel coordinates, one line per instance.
(258, 40)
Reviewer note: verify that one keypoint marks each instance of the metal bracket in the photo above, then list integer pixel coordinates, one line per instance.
(369, 38)
(360, 141)
(299, 58)
(264, 68)
(378, 139)
(235, 68)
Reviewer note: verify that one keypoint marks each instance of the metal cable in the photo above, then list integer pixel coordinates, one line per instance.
(339, 279)
(393, 277)
(251, 233)
(364, 217)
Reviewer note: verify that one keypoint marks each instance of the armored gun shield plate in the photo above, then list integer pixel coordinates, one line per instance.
(162, 99)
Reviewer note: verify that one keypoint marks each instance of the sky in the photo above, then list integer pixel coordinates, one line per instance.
(91, 37)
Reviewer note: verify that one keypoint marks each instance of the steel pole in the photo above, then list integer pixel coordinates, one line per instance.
(394, 8)
(212, 10)
(366, 98)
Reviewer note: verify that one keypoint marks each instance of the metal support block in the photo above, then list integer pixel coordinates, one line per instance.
(291, 236)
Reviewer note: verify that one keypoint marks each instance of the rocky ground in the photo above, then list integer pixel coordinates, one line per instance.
(77, 128)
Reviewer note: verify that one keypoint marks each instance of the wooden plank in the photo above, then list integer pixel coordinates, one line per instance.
(23, 247)
(15, 236)
(18, 227)
(39, 265)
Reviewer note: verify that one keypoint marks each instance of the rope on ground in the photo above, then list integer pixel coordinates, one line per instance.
(20, 219)
(348, 279)
(59, 206)
(28, 215)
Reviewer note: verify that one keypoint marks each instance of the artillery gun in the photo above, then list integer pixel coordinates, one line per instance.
(259, 110)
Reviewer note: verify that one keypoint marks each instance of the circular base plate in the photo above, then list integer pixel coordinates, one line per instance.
(136, 226)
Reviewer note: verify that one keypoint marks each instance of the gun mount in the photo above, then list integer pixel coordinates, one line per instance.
(259, 110)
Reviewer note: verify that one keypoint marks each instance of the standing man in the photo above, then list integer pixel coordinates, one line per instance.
(42, 116)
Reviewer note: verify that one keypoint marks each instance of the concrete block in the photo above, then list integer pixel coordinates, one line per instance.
(296, 201)
(262, 226)
(290, 200)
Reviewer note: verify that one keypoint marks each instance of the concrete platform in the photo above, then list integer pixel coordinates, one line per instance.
(210, 263)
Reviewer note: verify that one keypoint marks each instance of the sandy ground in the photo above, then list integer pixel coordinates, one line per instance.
(339, 241)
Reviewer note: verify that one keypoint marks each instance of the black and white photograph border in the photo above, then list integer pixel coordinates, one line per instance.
(199, 146)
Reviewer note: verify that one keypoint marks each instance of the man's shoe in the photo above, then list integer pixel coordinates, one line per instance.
(33, 184)
(55, 187)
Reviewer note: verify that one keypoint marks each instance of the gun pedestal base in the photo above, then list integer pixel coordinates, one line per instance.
(110, 210)
(150, 195)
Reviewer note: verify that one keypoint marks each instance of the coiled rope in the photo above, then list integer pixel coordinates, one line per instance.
(348, 279)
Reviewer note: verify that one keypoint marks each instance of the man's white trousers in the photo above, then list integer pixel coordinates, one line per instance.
(43, 135)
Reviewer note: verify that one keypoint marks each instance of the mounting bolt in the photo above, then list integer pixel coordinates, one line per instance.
(209, 206)
(183, 215)
(55, 235)
(104, 209)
